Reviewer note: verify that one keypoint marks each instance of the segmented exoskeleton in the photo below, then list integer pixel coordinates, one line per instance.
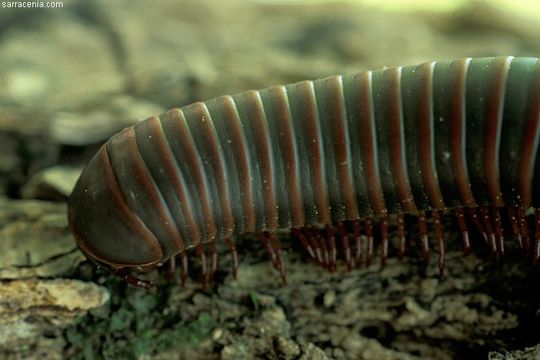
(459, 136)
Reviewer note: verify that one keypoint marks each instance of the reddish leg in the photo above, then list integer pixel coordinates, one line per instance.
(422, 228)
(499, 233)
(264, 239)
(183, 267)
(298, 234)
(536, 236)
(460, 215)
(232, 248)
(401, 235)
(512, 215)
(272, 246)
(332, 245)
(213, 266)
(524, 229)
(202, 257)
(384, 245)
(369, 234)
(478, 223)
(345, 242)
(310, 236)
(276, 247)
(357, 243)
(437, 224)
(322, 244)
(171, 267)
(486, 218)
(321, 247)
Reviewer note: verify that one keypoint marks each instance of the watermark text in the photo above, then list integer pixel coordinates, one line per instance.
(32, 4)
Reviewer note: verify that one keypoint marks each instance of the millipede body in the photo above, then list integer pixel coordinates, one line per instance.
(328, 159)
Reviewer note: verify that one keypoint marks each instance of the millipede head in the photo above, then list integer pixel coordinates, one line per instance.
(104, 229)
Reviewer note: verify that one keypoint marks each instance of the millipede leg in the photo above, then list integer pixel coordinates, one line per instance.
(202, 257)
(486, 217)
(345, 242)
(310, 236)
(384, 244)
(478, 223)
(437, 224)
(276, 248)
(132, 280)
(422, 228)
(322, 244)
(280, 264)
(332, 244)
(183, 267)
(264, 239)
(524, 228)
(401, 235)
(272, 246)
(357, 243)
(512, 215)
(171, 267)
(460, 215)
(234, 253)
(536, 255)
(369, 234)
(320, 248)
(214, 261)
(298, 234)
(499, 233)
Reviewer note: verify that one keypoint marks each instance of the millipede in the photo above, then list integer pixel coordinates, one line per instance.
(331, 160)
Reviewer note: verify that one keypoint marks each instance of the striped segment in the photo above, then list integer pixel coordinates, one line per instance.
(170, 181)
(229, 129)
(140, 191)
(258, 141)
(286, 156)
(366, 124)
(529, 167)
(187, 157)
(337, 153)
(212, 161)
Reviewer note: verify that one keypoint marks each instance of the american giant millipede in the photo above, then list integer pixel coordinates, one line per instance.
(327, 159)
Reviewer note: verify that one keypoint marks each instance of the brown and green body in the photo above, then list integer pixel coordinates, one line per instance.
(455, 135)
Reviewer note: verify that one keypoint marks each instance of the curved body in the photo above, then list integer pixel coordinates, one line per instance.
(441, 135)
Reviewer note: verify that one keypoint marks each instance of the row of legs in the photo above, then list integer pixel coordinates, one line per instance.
(355, 239)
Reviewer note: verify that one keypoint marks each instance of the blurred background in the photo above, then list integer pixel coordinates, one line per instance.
(73, 75)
